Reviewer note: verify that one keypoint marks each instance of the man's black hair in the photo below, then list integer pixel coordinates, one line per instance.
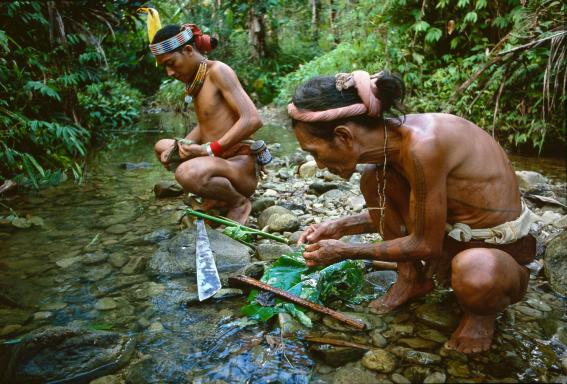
(320, 94)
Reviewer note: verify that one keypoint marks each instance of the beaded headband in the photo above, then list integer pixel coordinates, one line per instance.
(172, 43)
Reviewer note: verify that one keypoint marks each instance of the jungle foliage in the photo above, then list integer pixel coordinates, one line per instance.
(72, 72)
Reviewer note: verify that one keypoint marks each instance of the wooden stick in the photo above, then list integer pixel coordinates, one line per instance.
(336, 342)
(385, 265)
(242, 280)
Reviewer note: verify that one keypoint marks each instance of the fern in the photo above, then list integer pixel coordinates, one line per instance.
(43, 89)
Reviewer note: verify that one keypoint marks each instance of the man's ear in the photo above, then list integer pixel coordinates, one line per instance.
(343, 134)
(188, 50)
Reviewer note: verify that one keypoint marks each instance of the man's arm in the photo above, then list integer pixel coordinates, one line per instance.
(335, 229)
(237, 99)
(428, 211)
(194, 135)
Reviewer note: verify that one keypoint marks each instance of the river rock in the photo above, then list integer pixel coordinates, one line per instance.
(337, 356)
(132, 166)
(528, 179)
(417, 343)
(400, 379)
(564, 364)
(457, 369)
(262, 203)
(118, 229)
(118, 260)
(438, 316)
(94, 258)
(67, 262)
(135, 265)
(177, 256)
(270, 252)
(433, 335)
(308, 169)
(332, 196)
(43, 315)
(109, 379)
(381, 280)
(379, 360)
(353, 373)
(105, 304)
(378, 339)
(9, 329)
(320, 187)
(415, 357)
(416, 373)
(157, 236)
(435, 377)
(278, 219)
(356, 203)
(555, 264)
(288, 325)
(167, 189)
(370, 320)
(68, 354)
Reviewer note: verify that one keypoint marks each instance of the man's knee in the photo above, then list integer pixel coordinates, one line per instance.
(162, 145)
(191, 175)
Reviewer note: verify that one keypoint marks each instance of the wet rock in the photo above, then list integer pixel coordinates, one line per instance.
(399, 379)
(399, 330)
(167, 189)
(299, 157)
(109, 379)
(294, 237)
(561, 222)
(9, 329)
(155, 327)
(540, 305)
(283, 174)
(336, 356)
(278, 219)
(118, 260)
(135, 265)
(177, 256)
(97, 273)
(13, 316)
(308, 169)
(457, 369)
(118, 229)
(549, 217)
(435, 377)
(555, 264)
(433, 335)
(288, 325)
(270, 193)
(416, 374)
(270, 252)
(261, 204)
(438, 316)
(377, 339)
(371, 321)
(564, 364)
(105, 304)
(379, 360)
(356, 203)
(254, 270)
(68, 354)
(332, 196)
(320, 187)
(417, 343)
(415, 357)
(43, 315)
(94, 258)
(157, 236)
(528, 179)
(67, 262)
(452, 354)
(354, 373)
(528, 311)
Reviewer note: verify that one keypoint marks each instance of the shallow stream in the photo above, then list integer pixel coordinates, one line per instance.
(64, 272)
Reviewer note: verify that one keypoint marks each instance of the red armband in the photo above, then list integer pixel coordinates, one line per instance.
(216, 148)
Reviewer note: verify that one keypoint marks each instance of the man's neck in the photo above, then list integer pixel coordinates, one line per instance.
(371, 144)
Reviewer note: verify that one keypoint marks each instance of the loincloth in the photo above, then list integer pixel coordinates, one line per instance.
(512, 237)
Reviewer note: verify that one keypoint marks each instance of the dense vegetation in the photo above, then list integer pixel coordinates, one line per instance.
(73, 72)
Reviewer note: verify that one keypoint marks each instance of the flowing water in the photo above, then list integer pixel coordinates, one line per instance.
(61, 274)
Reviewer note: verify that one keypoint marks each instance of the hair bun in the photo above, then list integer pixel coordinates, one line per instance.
(204, 43)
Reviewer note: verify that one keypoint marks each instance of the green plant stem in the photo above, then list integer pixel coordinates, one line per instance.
(231, 223)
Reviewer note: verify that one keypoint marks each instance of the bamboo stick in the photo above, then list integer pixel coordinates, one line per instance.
(231, 223)
(385, 265)
(241, 280)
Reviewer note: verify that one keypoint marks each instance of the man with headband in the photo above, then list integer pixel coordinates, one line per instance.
(212, 161)
(439, 190)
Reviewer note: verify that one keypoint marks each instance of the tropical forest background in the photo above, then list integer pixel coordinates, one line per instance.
(74, 73)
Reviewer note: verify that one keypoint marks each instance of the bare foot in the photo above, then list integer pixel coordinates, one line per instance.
(473, 335)
(207, 204)
(399, 293)
(240, 212)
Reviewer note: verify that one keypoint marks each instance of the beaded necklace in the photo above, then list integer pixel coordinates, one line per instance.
(191, 90)
(382, 191)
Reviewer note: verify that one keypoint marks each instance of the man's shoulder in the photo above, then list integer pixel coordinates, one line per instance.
(219, 69)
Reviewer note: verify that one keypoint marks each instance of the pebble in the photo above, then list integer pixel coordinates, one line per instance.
(379, 360)
(44, 315)
(539, 305)
(433, 335)
(399, 379)
(529, 311)
(105, 304)
(564, 364)
(457, 369)
(436, 377)
(53, 306)
(118, 229)
(377, 339)
(66, 263)
(155, 327)
(10, 328)
(118, 260)
(109, 379)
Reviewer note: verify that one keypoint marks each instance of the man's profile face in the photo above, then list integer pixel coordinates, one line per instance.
(179, 65)
(330, 154)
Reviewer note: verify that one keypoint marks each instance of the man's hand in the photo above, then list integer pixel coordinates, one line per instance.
(190, 151)
(165, 155)
(325, 252)
(316, 232)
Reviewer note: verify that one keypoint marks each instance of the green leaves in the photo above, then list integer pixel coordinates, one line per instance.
(43, 89)
(433, 35)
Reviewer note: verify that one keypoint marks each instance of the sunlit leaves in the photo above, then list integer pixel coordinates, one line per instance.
(433, 35)
(42, 89)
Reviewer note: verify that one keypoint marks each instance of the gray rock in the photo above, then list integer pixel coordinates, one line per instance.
(332, 196)
(132, 166)
(308, 169)
(381, 280)
(105, 304)
(400, 379)
(270, 252)
(98, 272)
(457, 369)
(158, 236)
(528, 311)
(379, 360)
(118, 260)
(94, 258)
(118, 229)
(438, 316)
(528, 179)
(356, 203)
(320, 187)
(43, 315)
(378, 339)
(433, 335)
(555, 264)
(371, 321)
(288, 325)
(355, 374)
(135, 265)
(278, 219)
(262, 203)
(564, 364)
(177, 256)
(415, 357)
(435, 377)
(298, 158)
(337, 356)
(167, 189)
(417, 343)
(109, 379)
(416, 373)
(68, 354)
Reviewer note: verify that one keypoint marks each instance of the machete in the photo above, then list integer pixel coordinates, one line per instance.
(208, 281)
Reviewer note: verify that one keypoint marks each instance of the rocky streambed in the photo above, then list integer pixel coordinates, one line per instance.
(102, 290)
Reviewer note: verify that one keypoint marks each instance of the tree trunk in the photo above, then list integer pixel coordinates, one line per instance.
(314, 19)
(256, 33)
